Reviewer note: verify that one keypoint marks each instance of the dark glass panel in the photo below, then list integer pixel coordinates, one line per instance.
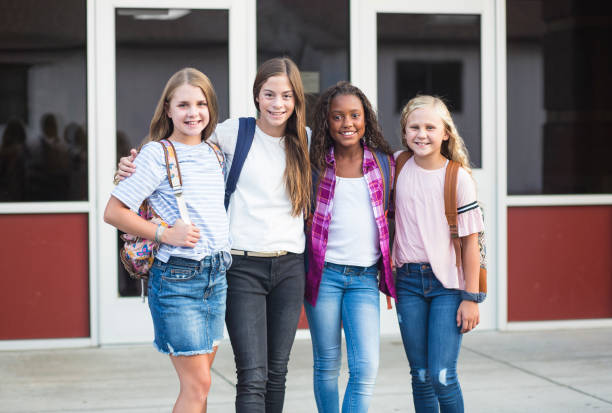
(559, 66)
(43, 110)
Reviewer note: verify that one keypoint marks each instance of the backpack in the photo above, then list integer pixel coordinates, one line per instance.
(450, 210)
(246, 132)
(138, 254)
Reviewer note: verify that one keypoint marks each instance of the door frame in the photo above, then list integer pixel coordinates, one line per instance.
(127, 319)
(364, 74)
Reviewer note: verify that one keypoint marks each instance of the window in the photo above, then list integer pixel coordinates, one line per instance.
(43, 110)
(559, 68)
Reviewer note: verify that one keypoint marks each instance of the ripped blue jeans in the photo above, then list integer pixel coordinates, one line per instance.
(427, 318)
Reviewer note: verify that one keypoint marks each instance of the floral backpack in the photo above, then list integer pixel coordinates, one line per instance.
(138, 254)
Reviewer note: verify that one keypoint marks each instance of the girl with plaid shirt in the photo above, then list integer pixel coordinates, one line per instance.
(348, 246)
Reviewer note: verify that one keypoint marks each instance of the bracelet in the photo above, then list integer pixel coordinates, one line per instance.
(158, 233)
(116, 178)
(475, 297)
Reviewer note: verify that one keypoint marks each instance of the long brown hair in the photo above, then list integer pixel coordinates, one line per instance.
(322, 140)
(161, 125)
(297, 170)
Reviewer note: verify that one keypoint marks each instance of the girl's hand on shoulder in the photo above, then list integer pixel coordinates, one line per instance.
(126, 165)
(181, 235)
(468, 316)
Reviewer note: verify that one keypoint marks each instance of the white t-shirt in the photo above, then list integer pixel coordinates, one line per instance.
(260, 208)
(203, 191)
(421, 228)
(353, 237)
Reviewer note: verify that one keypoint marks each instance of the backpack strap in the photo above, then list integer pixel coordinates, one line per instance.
(173, 172)
(218, 154)
(246, 132)
(382, 160)
(401, 160)
(450, 206)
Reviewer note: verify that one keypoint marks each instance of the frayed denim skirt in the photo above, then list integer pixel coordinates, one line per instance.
(187, 303)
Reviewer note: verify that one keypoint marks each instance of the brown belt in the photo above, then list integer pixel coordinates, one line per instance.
(258, 254)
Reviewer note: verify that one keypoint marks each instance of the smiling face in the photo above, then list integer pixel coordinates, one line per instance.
(346, 120)
(276, 104)
(188, 110)
(424, 135)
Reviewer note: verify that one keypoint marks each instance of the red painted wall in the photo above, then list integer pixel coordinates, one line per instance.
(45, 276)
(559, 263)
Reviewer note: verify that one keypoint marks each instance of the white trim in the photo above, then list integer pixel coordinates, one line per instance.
(558, 324)
(91, 170)
(45, 207)
(242, 69)
(501, 228)
(47, 343)
(558, 200)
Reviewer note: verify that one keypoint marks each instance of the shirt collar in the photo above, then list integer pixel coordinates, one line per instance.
(368, 158)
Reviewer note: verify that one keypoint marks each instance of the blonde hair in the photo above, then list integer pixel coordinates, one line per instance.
(453, 148)
(161, 125)
(297, 169)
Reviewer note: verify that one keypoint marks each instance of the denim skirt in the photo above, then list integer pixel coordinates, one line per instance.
(187, 303)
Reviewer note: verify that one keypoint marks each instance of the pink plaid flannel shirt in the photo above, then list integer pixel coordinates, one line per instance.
(317, 234)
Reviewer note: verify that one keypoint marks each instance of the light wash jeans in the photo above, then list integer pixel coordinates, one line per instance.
(427, 315)
(348, 298)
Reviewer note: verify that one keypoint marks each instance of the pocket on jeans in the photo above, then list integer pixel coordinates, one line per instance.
(179, 274)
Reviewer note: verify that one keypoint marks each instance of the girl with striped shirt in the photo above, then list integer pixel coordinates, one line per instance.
(187, 284)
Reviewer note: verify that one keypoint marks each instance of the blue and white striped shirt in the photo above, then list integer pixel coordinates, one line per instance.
(203, 191)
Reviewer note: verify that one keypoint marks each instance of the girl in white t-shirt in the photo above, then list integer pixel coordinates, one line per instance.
(437, 300)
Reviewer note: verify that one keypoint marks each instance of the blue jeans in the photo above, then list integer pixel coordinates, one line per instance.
(348, 297)
(427, 318)
(187, 302)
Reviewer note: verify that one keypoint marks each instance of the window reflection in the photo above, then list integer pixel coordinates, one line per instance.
(559, 66)
(43, 152)
(432, 54)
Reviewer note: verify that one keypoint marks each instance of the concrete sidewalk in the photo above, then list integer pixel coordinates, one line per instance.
(545, 371)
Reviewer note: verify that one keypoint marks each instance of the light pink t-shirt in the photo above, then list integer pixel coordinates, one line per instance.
(421, 229)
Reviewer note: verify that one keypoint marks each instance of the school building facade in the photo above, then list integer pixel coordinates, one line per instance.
(527, 81)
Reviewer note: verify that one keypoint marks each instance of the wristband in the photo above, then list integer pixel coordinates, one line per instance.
(475, 297)
(158, 233)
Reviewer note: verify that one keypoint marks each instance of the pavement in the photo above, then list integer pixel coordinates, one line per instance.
(541, 371)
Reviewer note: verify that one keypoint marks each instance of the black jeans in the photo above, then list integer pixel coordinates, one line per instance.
(264, 300)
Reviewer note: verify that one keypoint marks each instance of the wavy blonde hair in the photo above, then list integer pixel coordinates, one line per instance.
(453, 148)
(161, 125)
(297, 169)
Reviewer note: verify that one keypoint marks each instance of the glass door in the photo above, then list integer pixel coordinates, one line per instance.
(400, 48)
(139, 45)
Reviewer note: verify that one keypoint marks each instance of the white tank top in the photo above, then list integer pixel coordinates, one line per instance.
(353, 236)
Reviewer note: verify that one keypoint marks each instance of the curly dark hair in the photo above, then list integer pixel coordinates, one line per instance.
(321, 140)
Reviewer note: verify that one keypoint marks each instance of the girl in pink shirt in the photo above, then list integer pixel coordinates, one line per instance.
(437, 300)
